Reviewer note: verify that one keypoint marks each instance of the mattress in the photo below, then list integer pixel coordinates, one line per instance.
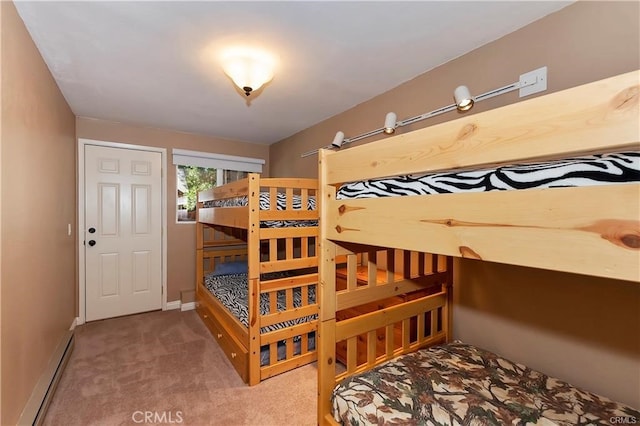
(265, 204)
(232, 291)
(458, 384)
(590, 170)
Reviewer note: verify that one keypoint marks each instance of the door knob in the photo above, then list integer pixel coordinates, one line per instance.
(92, 243)
(92, 230)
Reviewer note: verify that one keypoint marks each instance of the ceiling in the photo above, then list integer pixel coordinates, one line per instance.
(153, 63)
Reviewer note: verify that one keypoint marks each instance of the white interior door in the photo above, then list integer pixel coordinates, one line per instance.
(123, 231)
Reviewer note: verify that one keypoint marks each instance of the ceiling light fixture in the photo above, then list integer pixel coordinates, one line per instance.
(249, 68)
(529, 83)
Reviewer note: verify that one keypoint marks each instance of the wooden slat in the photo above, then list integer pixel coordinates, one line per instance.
(352, 277)
(372, 341)
(273, 249)
(288, 198)
(288, 248)
(372, 270)
(391, 265)
(285, 333)
(406, 333)
(352, 353)
(290, 314)
(389, 339)
(290, 183)
(304, 199)
(557, 228)
(285, 265)
(273, 353)
(362, 295)
(420, 326)
(598, 116)
(379, 319)
(223, 243)
(434, 322)
(289, 298)
(298, 232)
(288, 282)
(288, 215)
(437, 339)
(226, 216)
(233, 189)
(273, 198)
(285, 365)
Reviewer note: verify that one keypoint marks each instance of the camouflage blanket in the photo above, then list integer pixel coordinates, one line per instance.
(459, 384)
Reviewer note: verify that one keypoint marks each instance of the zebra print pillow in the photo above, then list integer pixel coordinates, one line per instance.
(591, 170)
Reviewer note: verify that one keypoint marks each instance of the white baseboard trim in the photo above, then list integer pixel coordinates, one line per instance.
(36, 407)
(189, 306)
(173, 305)
(74, 323)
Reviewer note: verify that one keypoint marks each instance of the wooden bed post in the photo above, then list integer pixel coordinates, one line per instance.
(447, 316)
(199, 250)
(327, 294)
(253, 243)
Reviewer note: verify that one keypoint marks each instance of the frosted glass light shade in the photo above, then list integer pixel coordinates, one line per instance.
(249, 69)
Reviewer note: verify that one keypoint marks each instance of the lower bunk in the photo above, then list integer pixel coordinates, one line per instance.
(457, 383)
(279, 335)
(231, 289)
(386, 356)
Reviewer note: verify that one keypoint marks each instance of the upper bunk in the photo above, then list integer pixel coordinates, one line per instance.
(247, 203)
(593, 230)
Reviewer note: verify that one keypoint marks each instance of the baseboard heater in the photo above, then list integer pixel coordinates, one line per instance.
(36, 408)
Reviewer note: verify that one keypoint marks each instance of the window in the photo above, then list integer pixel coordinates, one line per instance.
(190, 181)
(198, 171)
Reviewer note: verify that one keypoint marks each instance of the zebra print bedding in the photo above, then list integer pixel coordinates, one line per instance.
(601, 169)
(233, 292)
(265, 204)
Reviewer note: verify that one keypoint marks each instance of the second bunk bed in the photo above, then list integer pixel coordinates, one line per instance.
(551, 183)
(256, 272)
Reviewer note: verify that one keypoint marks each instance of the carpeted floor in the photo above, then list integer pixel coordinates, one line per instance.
(165, 368)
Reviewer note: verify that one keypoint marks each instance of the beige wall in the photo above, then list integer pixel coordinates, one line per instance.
(38, 202)
(582, 329)
(181, 258)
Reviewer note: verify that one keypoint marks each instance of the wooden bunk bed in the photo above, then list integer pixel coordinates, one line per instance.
(592, 230)
(270, 225)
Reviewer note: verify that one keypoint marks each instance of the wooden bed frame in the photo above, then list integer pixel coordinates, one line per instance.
(234, 233)
(586, 230)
